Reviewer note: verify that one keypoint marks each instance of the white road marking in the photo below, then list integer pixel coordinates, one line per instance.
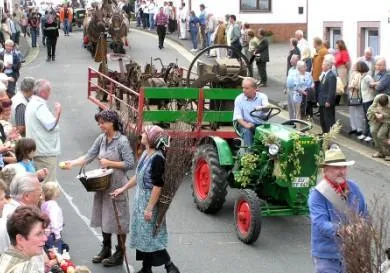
(86, 220)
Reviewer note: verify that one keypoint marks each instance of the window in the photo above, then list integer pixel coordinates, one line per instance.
(335, 35)
(372, 40)
(255, 5)
(368, 35)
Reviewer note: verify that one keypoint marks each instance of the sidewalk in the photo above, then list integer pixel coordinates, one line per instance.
(276, 70)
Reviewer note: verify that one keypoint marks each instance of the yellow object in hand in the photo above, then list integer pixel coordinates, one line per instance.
(62, 165)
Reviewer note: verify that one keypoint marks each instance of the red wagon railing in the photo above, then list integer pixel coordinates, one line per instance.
(136, 114)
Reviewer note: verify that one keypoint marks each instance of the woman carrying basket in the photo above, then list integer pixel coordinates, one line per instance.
(113, 151)
(149, 180)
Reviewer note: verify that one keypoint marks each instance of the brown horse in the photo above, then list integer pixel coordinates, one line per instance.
(94, 28)
(118, 31)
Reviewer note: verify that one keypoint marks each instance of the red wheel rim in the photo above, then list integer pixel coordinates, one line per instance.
(202, 179)
(243, 217)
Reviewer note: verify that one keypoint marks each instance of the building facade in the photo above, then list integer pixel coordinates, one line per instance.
(359, 23)
(282, 17)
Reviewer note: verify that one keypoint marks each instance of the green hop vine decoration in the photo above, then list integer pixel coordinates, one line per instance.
(282, 170)
(248, 164)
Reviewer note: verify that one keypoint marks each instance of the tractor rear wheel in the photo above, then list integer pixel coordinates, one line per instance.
(209, 180)
(247, 216)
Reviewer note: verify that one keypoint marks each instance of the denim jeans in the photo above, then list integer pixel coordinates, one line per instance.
(247, 134)
(66, 26)
(34, 33)
(208, 42)
(194, 37)
(151, 20)
(322, 265)
(139, 20)
(366, 105)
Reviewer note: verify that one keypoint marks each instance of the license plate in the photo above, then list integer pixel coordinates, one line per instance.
(301, 182)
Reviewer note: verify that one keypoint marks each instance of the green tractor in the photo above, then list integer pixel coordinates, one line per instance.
(274, 175)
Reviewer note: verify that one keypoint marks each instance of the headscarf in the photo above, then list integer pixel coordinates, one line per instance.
(110, 116)
(157, 137)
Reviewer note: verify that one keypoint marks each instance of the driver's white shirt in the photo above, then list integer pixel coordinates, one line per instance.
(243, 106)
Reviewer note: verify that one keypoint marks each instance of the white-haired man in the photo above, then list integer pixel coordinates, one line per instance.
(368, 59)
(42, 126)
(330, 204)
(327, 94)
(19, 104)
(244, 104)
(12, 64)
(382, 77)
(302, 42)
(25, 190)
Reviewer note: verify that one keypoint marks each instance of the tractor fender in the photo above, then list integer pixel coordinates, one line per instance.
(225, 156)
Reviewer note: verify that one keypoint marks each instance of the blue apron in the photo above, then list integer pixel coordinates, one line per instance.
(142, 231)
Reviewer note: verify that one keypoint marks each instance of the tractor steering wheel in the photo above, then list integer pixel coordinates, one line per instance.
(270, 115)
(272, 111)
(293, 122)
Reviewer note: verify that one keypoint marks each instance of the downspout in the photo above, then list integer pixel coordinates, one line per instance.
(307, 18)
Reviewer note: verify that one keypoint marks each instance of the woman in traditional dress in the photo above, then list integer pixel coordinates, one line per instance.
(113, 151)
(149, 180)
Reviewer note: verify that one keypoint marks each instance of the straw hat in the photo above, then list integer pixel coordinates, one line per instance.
(335, 157)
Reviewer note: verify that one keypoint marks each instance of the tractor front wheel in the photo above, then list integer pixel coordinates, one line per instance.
(247, 216)
(209, 180)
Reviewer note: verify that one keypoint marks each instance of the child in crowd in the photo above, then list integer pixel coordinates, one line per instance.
(51, 191)
(3, 226)
(378, 115)
(8, 173)
(25, 150)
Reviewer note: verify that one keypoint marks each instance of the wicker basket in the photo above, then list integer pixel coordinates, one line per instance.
(95, 180)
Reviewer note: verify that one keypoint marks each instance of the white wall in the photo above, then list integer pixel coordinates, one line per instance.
(374, 10)
(282, 11)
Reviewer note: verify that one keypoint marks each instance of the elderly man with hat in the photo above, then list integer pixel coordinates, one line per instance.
(329, 203)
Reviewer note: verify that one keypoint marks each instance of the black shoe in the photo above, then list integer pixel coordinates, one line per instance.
(145, 270)
(48, 59)
(171, 268)
(103, 254)
(352, 132)
(53, 58)
(115, 259)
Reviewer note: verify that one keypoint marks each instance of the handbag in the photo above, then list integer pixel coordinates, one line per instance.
(355, 100)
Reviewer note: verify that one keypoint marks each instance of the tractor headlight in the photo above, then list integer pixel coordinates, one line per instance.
(273, 149)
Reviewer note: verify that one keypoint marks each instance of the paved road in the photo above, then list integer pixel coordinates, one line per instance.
(198, 243)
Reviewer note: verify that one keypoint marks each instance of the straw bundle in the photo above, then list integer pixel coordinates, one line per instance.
(177, 162)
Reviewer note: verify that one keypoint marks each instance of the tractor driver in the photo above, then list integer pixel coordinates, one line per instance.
(245, 103)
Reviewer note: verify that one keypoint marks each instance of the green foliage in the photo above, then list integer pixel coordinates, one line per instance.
(248, 166)
(288, 166)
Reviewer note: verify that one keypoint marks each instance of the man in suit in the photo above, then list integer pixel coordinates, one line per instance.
(262, 57)
(327, 94)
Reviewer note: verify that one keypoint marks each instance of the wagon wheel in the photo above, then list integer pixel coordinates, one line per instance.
(102, 82)
(247, 216)
(242, 59)
(209, 180)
